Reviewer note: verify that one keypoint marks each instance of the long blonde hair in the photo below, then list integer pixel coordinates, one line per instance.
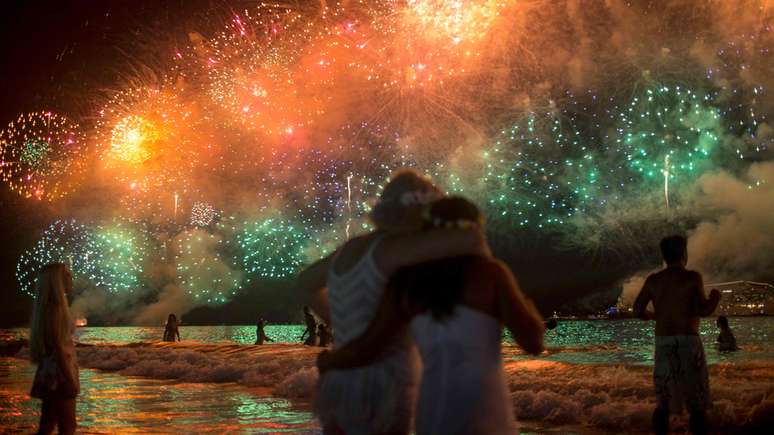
(51, 323)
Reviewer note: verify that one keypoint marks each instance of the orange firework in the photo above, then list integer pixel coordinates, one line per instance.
(147, 138)
(249, 71)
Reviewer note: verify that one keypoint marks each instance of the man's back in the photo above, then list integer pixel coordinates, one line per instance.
(680, 375)
(678, 299)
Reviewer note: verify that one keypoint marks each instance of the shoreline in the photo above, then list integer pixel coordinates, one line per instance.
(547, 396)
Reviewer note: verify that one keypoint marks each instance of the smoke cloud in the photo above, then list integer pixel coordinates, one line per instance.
(305, 130)
(737, 241)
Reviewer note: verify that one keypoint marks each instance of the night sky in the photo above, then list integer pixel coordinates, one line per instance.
(58, 55)
(51, 52)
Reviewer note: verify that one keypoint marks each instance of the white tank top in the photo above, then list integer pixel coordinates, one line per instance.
(354, 296)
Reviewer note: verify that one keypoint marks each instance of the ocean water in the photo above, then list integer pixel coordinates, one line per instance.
(595, 377)
(112, 403)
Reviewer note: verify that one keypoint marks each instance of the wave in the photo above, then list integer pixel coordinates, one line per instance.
(610, 397)
(620, 398)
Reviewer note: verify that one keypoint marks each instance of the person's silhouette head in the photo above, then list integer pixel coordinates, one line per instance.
(453, 212)
(722, 322)
(674, 249)
(171, 319)
(307, 310)
(439, 287)
(402, 201)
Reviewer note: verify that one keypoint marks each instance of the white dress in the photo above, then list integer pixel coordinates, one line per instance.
(377, 398)
(463, 389)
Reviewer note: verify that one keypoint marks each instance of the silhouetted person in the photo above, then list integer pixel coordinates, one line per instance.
(171, 330)
(455, 310)
(56, 381)
(260, 335)
(311, 327)
(324, 334)
(551, 323)
(726, 339)
(348, 285)
(680, 367)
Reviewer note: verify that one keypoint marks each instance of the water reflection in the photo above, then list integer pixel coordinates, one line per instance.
(112, 403)
(630, 341)
(206, 334)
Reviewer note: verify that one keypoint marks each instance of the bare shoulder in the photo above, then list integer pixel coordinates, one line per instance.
(695, 279)
(688, 277)
(692, 274)
(655, 276)
(656, 280)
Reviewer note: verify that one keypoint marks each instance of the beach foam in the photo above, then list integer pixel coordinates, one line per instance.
(611, 397)
(620, 398)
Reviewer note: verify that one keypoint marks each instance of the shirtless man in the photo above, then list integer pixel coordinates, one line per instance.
(680, 369)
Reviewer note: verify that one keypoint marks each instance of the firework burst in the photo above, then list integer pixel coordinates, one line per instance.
(204, 267)
(202, 214)
(64, 241)
(146, 137)
(272, 248)
(42, 155)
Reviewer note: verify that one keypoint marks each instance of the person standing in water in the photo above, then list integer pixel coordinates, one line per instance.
(346, 288)
(324, 334)
(171, 329)
(260, 335)
(726, 340)
(52, 348)
(455, 309)
(680, 366)
(311, 327)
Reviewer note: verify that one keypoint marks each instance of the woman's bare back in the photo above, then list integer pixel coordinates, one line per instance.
(491, 288)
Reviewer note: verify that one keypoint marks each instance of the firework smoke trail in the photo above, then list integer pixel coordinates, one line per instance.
(666, 180)
(264, 113)
(349, 203)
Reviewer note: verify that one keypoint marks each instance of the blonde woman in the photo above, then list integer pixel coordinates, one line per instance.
(378, 398)
(56, 380)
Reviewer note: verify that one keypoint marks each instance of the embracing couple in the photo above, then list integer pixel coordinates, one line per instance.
(424, 279)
